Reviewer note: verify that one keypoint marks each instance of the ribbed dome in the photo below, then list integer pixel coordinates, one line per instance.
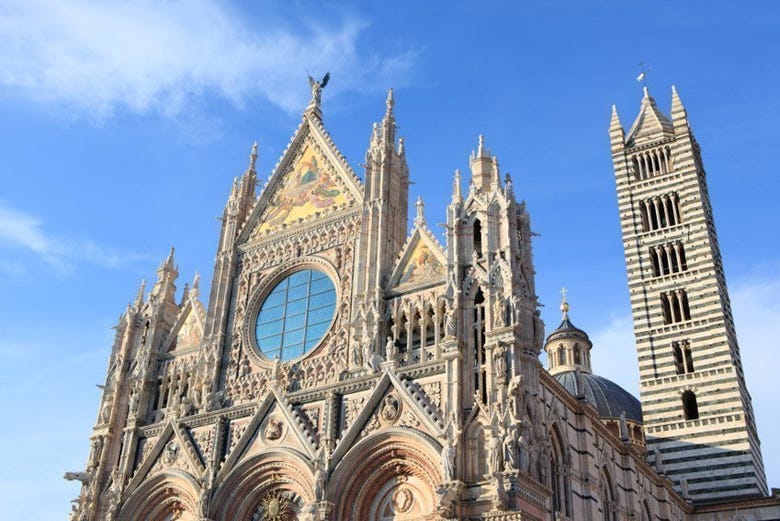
(606, 396)
(566, 329)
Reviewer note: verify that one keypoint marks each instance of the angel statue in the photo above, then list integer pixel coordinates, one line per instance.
(316, 89)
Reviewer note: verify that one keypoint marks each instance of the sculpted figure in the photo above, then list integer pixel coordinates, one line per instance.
(500, 364)
(510, 449)
(523, 456)
(448, 459)
(390, 349)
(499, 319)
(357, 358)
(449, 324)
(494, 453)
(316, 88)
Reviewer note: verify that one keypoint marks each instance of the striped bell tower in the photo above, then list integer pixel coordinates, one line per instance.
(698, 416)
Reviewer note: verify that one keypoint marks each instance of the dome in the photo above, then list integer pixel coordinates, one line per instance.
(606, 396)
(567, 330)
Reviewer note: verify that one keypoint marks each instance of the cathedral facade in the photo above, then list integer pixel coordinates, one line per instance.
(345, 368)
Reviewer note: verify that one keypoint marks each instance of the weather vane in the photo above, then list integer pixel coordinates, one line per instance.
(643, 74)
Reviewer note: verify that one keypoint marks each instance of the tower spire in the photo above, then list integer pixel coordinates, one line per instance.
(679, 114)
(388, 121)
(253, 156)
(482, 165)
(139, 298)
(456, 195)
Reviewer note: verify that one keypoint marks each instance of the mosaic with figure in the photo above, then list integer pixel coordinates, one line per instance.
(306, 189)
(422, 265)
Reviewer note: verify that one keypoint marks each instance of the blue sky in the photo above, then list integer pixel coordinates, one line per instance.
(123, 124)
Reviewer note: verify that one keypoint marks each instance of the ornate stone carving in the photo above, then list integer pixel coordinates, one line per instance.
(275, 506)
(273, 429)
(390, 409)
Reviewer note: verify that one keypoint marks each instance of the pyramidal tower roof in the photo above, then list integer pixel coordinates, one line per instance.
(650, 123)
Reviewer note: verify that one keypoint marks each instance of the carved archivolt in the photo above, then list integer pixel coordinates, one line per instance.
(390, 471)
(160, 497)
(251, 487)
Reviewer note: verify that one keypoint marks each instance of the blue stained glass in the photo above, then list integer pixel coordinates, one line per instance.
(295, 315)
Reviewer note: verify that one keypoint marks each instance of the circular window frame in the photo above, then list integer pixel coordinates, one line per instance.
(262, 291)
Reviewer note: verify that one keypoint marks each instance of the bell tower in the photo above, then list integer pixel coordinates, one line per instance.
(698, 416)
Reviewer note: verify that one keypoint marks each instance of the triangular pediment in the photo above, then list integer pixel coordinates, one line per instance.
(274, 425)
(312, 180)
(391, 404)
(187, 333)
(422, 262)
(173, 450)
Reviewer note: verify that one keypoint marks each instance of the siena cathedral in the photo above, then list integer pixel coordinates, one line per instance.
(345, 368)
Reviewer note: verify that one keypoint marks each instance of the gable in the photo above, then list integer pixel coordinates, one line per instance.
(190, 332)
(391, 404)
(172, 450)
(421, 262)
(276, 424)
(311, 181)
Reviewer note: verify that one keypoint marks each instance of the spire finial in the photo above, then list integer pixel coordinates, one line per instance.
(253, 156)
(139, 298)
(481, 147)
(390, 101)
(420, 219)
(678, 109)
(169, 261)
(564, 304)
(456, 185)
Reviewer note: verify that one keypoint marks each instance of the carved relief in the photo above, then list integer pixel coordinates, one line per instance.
(351, 408)
(202, 440)
(236, 429)
(390, 409)
(273, 429)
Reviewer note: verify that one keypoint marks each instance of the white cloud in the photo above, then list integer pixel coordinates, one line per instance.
(21, 231)
(156, 56)
(756, 309)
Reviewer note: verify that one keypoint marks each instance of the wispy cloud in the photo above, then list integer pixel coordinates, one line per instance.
(757, 315)
(23, 232)
(148, 56)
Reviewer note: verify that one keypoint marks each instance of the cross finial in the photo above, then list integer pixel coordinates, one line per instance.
(564, 303)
